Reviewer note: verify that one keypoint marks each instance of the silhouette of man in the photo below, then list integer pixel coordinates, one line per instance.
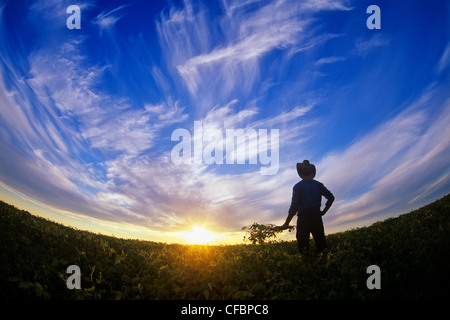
(306, 203)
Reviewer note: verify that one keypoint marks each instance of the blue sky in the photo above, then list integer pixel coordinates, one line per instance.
(86, 115)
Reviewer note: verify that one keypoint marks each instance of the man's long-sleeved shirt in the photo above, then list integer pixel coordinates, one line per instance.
(307, 194)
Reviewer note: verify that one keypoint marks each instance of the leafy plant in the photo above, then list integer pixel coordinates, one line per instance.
(260, 233)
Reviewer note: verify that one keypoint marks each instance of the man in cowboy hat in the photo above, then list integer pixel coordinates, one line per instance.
(306, 203)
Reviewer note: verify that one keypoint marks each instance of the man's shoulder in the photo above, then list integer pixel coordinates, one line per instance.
(318, 182)
(303, 183)
(312, 181)
(298, 184)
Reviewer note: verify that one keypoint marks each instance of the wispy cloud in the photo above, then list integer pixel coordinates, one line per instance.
(444, 62)
(363, 46)
(72, 133)
(106, 19)
(408, 154)
(329, 60)
(318, 5)
(228, 55)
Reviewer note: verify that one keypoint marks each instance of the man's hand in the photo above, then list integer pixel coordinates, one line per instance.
(286, 223)
(282, 227)
(325, 210)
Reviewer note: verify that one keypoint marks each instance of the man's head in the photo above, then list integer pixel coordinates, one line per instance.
(306, 170)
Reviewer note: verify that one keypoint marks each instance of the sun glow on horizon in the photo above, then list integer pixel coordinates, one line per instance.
(199, 235)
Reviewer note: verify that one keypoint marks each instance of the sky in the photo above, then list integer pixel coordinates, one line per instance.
(124, 124)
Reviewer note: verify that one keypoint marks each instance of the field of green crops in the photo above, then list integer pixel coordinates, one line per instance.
(412, 252)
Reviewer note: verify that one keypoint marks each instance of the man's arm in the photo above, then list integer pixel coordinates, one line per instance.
(330, 199)
(327, 207)
(295, 204)
(288, 219)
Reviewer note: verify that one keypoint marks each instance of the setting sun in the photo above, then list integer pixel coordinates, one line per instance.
(199, 235)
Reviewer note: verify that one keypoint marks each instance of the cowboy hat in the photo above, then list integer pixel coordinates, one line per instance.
(306, 170)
